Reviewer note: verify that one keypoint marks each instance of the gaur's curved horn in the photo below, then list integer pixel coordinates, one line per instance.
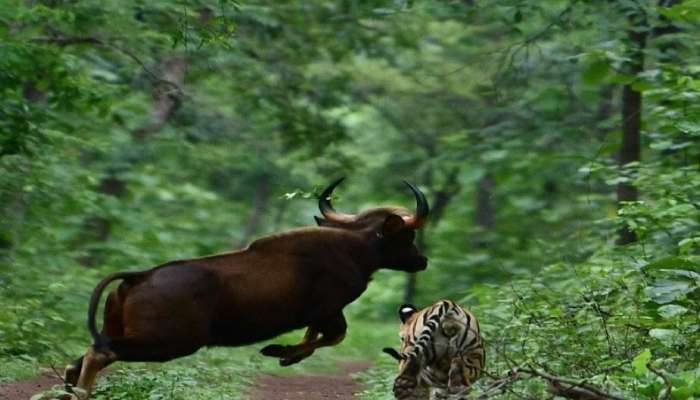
(324, 205)
(422, 210)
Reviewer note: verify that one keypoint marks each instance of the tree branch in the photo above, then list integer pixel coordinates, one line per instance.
(662, 374)
(558, 386)
(63, 41)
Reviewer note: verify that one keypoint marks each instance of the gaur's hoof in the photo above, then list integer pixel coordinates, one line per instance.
(70, 377)
(274, 350)
(284, 362)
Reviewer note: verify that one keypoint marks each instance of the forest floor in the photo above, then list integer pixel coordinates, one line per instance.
(338, 385)
(25, 389)
(304, 386)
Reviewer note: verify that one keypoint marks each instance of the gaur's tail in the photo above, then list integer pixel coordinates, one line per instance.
(100, 340)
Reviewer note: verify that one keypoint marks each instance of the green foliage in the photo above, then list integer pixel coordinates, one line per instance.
(140, 132)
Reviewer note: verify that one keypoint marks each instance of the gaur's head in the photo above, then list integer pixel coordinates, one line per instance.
(392, 229)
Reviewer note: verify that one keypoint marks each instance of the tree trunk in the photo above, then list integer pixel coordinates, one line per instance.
(483, 214)
(165, 102)
(630, 150)
(441, 199)
(260, 201)
(166, 98)
(412, 281)
(279, 216)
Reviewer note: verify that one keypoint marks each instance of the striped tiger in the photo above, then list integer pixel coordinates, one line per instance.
(441, 354)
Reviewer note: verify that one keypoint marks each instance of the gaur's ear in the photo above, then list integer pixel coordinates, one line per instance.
(393, 353)
(392, 224)
(405, 311)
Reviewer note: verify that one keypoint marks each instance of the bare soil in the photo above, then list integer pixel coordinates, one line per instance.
(339, 385)
(23, 390)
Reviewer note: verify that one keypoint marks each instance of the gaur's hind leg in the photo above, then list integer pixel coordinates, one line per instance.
(72, 373)
(93, 362)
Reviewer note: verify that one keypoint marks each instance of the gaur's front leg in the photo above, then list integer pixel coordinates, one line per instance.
(285, 351)
(332, 331)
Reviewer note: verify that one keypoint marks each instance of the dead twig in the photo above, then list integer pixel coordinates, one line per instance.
(58, 374)
(572, 389)
(662, 374)
(557, 386)
(499, 386)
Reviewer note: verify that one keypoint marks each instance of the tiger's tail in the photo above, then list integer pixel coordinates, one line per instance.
(451, 327)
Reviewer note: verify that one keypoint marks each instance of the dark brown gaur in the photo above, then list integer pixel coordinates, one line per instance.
(290, 280)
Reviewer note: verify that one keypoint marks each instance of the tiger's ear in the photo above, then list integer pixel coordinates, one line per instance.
(393, 353)
(405, 311)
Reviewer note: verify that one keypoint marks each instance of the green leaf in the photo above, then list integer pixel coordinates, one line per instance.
(681, 393)
(671, 310)
(640, 362)
(668, 337)
(688, 243)
(689, 128)
(673, 263)
(665, 291)
(595, 72)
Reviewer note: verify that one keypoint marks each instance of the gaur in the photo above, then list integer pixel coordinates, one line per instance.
(299, 278)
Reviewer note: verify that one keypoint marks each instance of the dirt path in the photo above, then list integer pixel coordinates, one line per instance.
(338, 385)
(310, 386)
(23, 390)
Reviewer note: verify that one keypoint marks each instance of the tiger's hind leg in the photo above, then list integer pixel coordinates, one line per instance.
(459, 380)
(406, 385)
(403, 392)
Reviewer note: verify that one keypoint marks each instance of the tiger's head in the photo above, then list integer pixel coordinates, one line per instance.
(407, 314)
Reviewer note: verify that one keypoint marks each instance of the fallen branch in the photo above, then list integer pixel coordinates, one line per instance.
(557, 386)
(571, 389)
(58, 374)
(499, 386)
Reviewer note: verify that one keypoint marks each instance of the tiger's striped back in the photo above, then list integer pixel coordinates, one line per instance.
(441, 349)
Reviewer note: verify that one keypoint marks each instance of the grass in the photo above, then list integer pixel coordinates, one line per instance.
(229, 373)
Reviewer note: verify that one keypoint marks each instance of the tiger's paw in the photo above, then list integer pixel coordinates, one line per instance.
(405, 386)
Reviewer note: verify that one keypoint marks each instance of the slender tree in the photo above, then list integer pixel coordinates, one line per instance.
(630, 149)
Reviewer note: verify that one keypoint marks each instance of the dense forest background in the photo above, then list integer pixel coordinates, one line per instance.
(558, 143)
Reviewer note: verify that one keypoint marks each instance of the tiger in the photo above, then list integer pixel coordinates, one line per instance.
(442, 352)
